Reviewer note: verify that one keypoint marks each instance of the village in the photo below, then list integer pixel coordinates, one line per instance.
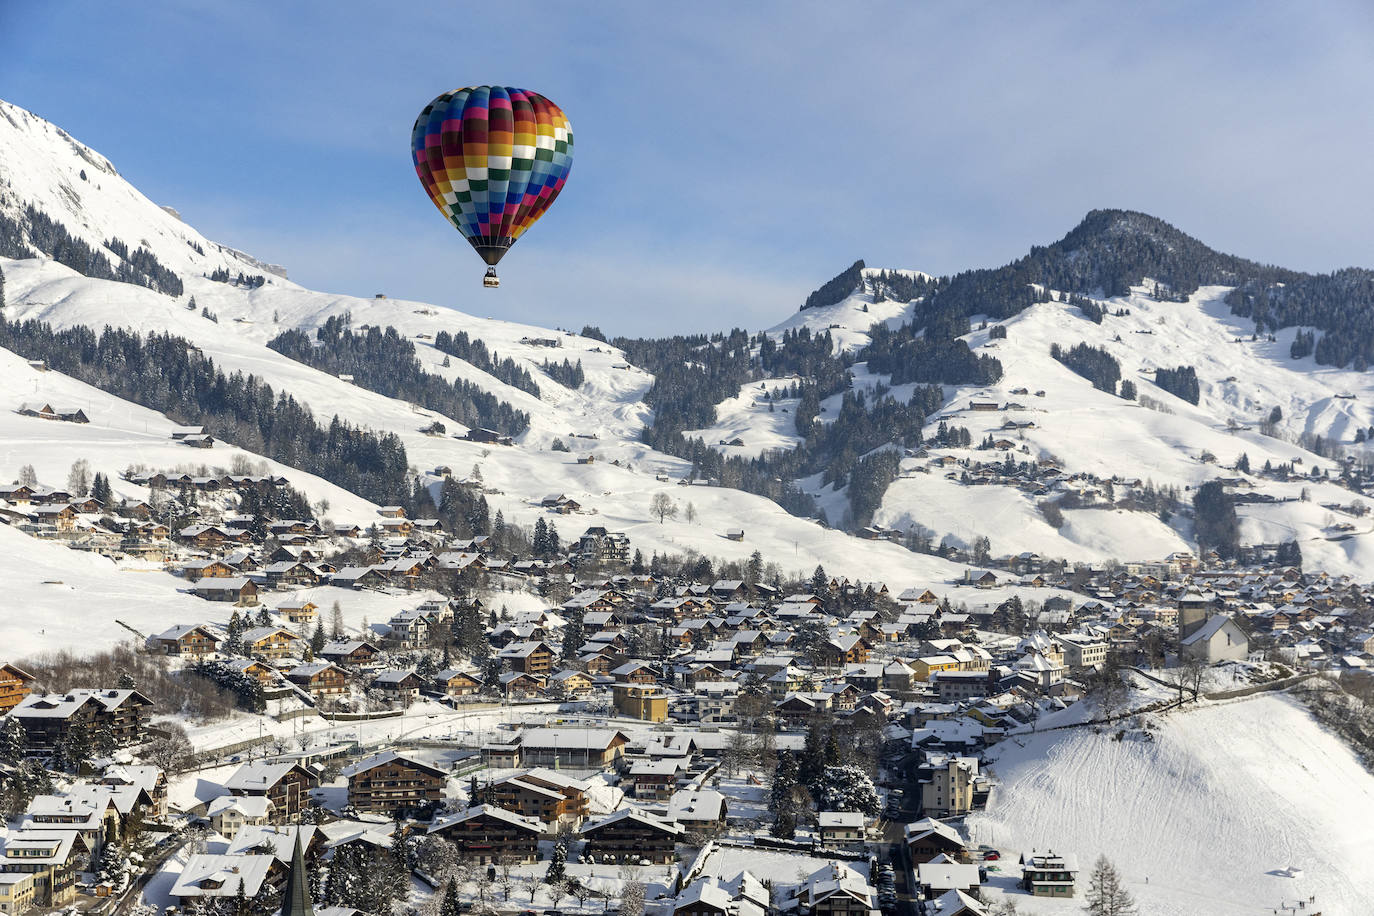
(648, 736)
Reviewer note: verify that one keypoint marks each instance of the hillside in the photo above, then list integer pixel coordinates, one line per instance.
(1091, 434)
(1221, 800)
(602, 417)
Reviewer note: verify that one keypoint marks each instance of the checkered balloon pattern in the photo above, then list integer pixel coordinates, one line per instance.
(492, 159)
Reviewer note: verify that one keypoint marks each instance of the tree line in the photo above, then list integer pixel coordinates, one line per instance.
(383, 361)
(474, 351)
(35, 231)
(170, 375)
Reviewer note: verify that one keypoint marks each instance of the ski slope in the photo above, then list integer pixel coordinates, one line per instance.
(1223, 798)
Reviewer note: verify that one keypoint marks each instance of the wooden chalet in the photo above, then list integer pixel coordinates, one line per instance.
(392, 784)
(630, 835)
(486, 833)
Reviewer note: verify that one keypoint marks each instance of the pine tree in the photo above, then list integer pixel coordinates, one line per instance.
(573, 637)
(449, 905)
(126, 681)
(317, 639)
(820, 582)
(14, 741)
(557, 872)
(1106, 896)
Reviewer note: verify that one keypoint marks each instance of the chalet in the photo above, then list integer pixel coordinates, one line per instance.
(597, 545)
(540, 794)
(398, 685)
(699, 809)
(299, 615)
(195, 570)
(929, 838)
(358, 577)
(534, 658)
(195, 641)
(734, 534)
(319, 679)
(455, 683)
(263, 674)
(841, 828)
(574, 748)
(46, 411)
(1047, 874)
(285, 783)
(489, 436)
(635, 672)
(221, 876)
(515, 685)
(834, 890)
(558, 502)
(17, 493)
(391, 783)
(48, 718)
(938, 878)
(269, 642)
(486, 834)
(51, 859)
(289, 574)
(14, 686)
(206, 537)
(229, 814)
(631, 835)
(350, 653)
(239, 590)
(571, 682)
(63, 518)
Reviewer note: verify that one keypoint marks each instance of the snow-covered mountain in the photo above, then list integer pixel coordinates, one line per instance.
(1085, 430)
(40, 166)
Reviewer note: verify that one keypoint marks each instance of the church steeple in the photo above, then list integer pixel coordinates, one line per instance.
(296, 901)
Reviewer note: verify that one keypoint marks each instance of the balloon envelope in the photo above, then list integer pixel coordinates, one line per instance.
(492, 159)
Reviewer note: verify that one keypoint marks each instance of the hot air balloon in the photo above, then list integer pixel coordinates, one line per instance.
(492, 158)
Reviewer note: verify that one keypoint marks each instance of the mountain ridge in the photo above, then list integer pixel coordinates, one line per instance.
(830, 390)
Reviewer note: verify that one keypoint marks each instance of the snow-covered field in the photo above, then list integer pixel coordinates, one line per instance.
(1224, 798)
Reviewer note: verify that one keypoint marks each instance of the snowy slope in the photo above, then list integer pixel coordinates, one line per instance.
(606, 414)
(1094, 432)
(120, 434)
(849, 319)
(41, 164)
(1223, 798)
(1085, 429)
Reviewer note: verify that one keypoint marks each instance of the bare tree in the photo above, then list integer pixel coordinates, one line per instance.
(691, 514)
(505, 875)
(27, 476)
(79, 478)
(663, 506)
(172, 752)
(632, 898)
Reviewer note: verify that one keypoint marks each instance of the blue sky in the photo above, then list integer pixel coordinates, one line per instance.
(730, 157)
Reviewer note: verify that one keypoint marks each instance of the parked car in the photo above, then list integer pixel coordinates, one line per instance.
(991, 855)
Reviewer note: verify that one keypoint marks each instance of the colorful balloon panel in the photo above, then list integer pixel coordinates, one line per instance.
(492, 158)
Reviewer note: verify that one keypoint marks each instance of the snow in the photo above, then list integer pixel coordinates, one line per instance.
(849, 320)
(1094, 432)
(746, 416)
(1224, 798)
